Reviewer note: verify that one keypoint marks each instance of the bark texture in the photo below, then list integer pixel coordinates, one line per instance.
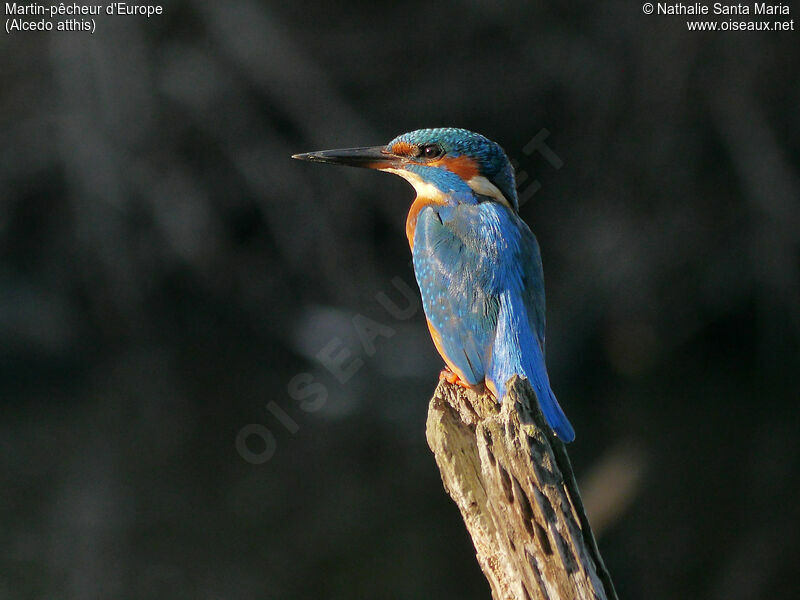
(511, 478)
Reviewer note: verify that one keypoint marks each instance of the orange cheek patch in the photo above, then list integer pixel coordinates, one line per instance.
(402, 148)
(463, 166)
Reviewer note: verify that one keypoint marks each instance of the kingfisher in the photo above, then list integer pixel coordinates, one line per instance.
(477, 263)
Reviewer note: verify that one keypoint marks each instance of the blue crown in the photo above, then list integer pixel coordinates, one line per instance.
(490, 157)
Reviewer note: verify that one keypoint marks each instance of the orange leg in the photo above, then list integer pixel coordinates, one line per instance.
(451, 377)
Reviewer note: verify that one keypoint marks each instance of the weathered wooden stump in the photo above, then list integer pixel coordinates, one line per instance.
(512, 480)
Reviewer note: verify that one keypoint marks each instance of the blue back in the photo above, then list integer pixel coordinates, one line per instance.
(480, 273)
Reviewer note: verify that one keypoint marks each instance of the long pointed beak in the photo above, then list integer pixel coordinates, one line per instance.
(371, 157)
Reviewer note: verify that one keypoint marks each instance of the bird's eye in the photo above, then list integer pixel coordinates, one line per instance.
(430, 151)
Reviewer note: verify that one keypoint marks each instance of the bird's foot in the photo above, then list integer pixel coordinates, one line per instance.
(450, 377)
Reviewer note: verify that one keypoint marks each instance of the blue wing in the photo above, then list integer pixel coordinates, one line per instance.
(459, 305)
(480, 273)
(519, 347)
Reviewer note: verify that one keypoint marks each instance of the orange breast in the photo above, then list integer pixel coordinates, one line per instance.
(437, 341)
(411, 219)
(413, 213)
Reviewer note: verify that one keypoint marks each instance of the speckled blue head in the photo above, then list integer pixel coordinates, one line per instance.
(445, 165)
(437, 154)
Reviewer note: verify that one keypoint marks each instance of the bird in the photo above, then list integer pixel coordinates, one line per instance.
(477, 263)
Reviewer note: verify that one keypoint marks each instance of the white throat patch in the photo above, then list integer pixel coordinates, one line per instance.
(422, 187)
(479, 184)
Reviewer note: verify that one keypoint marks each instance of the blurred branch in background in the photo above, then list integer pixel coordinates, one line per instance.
(771, 186)
(612, 484)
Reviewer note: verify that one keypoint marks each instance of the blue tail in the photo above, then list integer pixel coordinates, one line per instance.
(554, 415)
(525, 358)
(536, 371)
(547, 401)
(516, 351)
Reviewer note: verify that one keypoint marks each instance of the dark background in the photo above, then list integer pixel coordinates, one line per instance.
(167, 271)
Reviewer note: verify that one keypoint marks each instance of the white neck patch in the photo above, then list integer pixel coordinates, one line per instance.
(479, 184)
(484, 187)
(422, 187)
